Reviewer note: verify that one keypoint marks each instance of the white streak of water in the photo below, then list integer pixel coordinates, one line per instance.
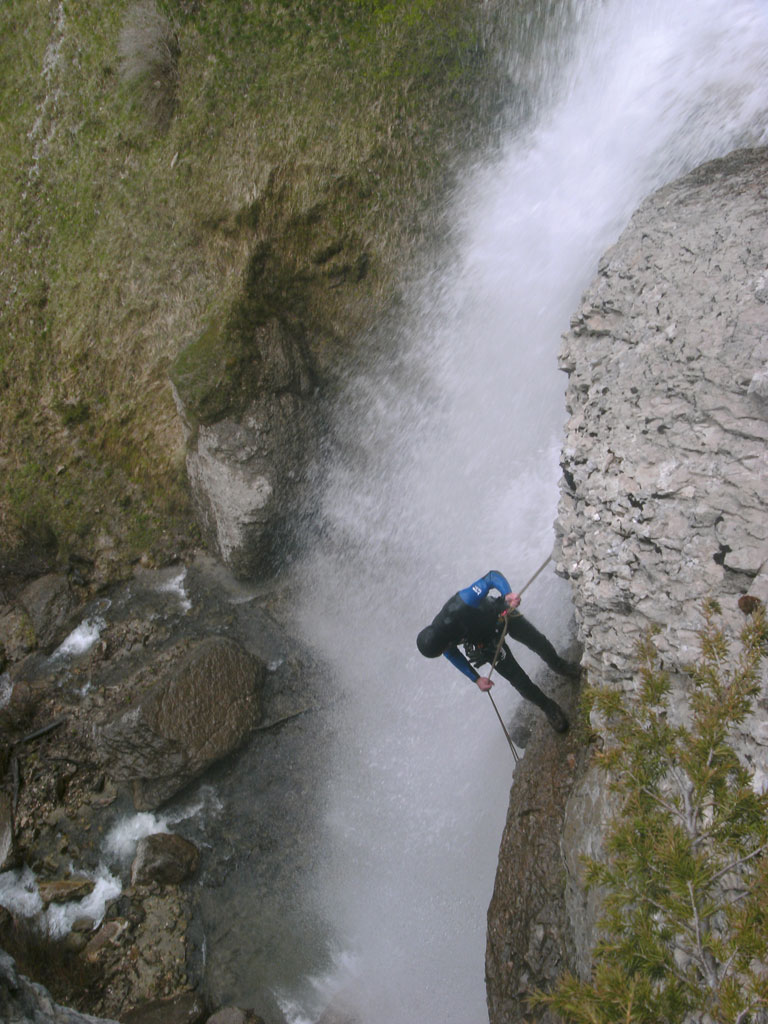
(6, 689)
(176, 584)
(449, 467)
(121, 840)
(81, 639)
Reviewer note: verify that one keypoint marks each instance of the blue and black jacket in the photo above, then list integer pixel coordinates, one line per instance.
(472, 616)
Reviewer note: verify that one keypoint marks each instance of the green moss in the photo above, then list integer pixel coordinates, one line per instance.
(306, 147)
(74, 413)
(218, 371)
(202, 374)
(689, 830)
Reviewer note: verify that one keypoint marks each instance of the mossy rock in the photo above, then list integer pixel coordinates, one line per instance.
(253, 347)
(203, 374)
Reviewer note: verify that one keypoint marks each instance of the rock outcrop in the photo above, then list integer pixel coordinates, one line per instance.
(49, 602)
(243, 389)
(244, 475)
(7, 850)
(665, 480)
(666, 451)
(529, 934)
(164, 858)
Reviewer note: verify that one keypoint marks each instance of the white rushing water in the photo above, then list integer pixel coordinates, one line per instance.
(450, 467)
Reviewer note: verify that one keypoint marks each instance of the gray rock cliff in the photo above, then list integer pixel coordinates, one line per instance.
(663, 498)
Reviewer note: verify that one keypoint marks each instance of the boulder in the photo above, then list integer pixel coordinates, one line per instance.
(18, 709)
(17, 634)
(244, 475)
(49, 603)
(190, 709)
(109, 934)
(142, 947)
(164, 858)
(64, 890)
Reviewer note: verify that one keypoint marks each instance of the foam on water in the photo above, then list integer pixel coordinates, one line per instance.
(121, 840)
(81, 639)
(19, 893)
(176, 584)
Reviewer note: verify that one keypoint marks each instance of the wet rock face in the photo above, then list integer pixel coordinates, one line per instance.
(529, 938)
(186, 1008)
(244, 475)
(7, 851)
(192, 709)
(665, 462)
(49, 602)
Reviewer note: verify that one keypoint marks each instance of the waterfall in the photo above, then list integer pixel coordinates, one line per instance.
(446, 465)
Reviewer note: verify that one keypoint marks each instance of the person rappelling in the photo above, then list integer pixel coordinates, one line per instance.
(479, 621)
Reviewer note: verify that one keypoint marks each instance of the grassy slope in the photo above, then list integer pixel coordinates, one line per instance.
(310, 123)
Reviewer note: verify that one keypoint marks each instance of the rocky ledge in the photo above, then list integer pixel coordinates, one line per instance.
(663, 504)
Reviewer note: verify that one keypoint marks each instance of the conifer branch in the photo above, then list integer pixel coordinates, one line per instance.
(684, 924)
(705, 958)
(733, 865)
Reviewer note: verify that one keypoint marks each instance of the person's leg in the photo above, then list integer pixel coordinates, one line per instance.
(520, 629)
(507, 667)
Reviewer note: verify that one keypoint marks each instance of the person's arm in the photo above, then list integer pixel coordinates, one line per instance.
(457, 659)
(488, 582)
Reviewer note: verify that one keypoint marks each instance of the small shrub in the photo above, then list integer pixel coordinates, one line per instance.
(149, 52)
(685, 876)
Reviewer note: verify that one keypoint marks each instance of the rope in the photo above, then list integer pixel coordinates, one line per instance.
(541, 569)
(501, 721)
(500, 644)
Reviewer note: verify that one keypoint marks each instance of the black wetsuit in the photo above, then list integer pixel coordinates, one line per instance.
(472, 619)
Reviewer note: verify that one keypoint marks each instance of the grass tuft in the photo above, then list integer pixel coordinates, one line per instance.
(148, 50)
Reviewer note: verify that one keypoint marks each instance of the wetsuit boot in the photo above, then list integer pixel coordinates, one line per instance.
(556, 717)
(569, 669)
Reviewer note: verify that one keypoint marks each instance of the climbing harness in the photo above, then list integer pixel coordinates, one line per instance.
(499, 645)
